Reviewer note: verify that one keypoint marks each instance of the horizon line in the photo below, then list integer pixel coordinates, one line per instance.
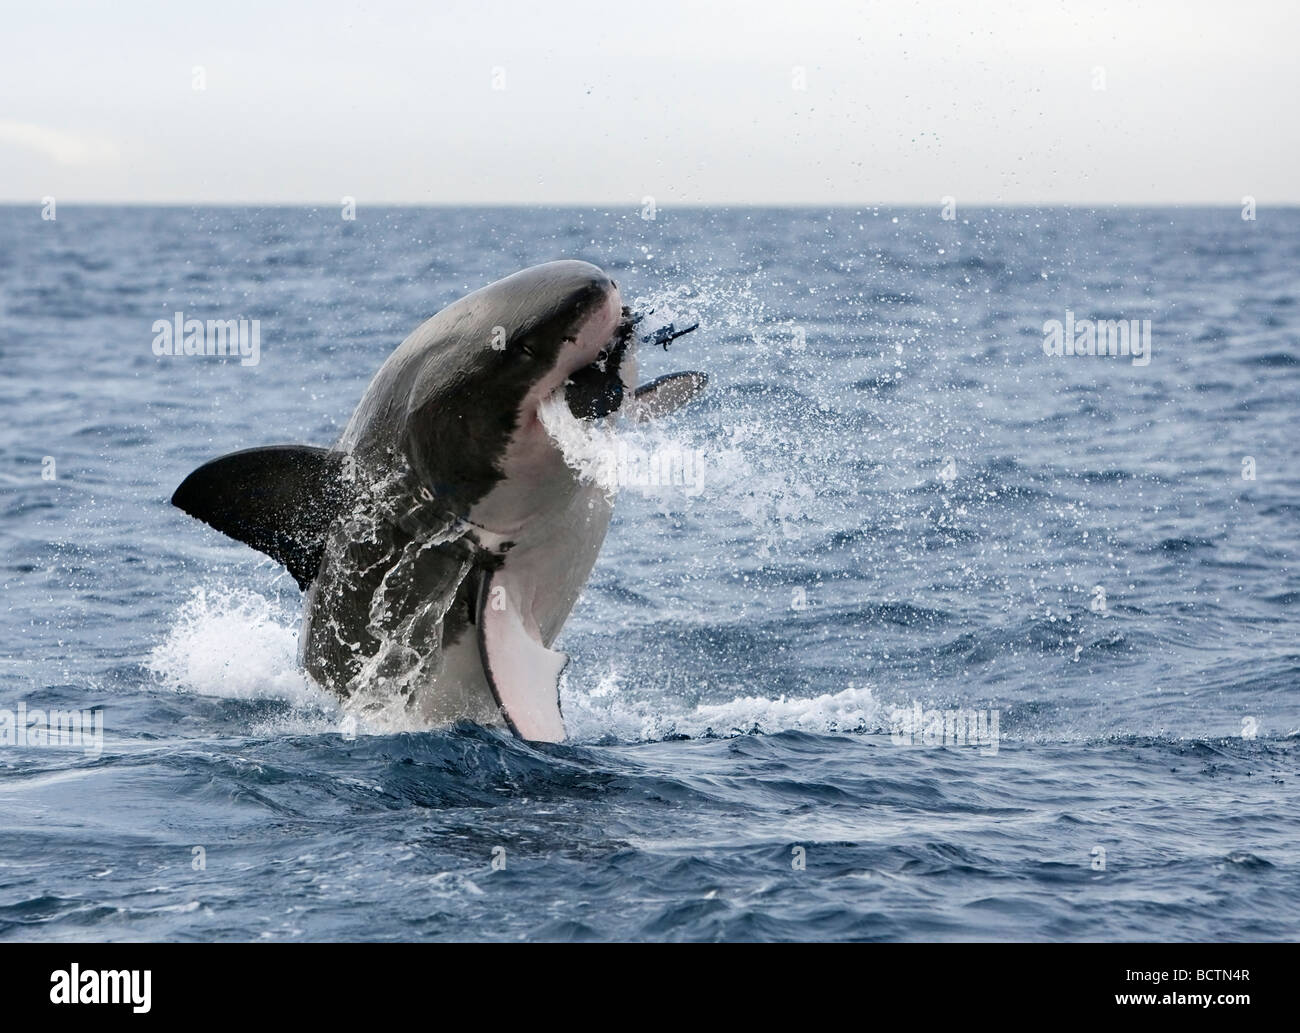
(634, 206)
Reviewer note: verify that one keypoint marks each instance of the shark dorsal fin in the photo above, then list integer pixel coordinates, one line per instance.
(280, 500)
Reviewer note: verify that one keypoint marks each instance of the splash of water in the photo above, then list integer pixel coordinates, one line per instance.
(628, 713)
(233, 643)
(584, 444)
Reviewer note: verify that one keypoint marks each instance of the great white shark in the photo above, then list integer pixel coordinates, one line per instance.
(443, 540)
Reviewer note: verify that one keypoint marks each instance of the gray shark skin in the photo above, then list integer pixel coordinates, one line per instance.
(443, 541)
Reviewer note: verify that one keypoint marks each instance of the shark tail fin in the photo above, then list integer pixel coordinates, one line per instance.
(281, 500)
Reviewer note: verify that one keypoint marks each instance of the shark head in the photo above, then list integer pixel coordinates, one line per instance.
(480, 371)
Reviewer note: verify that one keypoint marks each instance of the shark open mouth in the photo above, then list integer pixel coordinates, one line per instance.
(574, 414)
(598, 389)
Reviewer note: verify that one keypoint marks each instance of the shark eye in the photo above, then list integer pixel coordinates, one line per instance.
(525, 346)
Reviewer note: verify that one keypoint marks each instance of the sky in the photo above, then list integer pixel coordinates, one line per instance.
(689, 103)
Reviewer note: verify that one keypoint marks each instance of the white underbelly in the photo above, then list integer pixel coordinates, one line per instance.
(460, 691)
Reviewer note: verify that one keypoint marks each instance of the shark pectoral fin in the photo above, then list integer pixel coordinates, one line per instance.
(280, 500)
(523, 674)
(666, 394)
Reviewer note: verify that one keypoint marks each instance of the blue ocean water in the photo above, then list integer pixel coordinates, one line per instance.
(904, 504)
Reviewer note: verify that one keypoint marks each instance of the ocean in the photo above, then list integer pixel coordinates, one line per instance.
(948, 638)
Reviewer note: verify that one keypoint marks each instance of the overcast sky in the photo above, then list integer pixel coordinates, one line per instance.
(690, 102)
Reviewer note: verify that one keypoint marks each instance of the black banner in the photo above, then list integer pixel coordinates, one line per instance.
(149, 982)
